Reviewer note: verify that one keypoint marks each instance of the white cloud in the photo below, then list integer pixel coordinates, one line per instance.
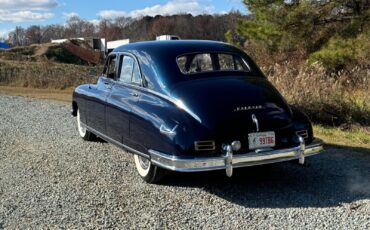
(194, 7)
(23, 16)
(95, 21)
(26, 10)
(28, 4)
(71, 14)
(112, 14)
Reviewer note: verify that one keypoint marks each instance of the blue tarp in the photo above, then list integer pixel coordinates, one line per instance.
(3, 45)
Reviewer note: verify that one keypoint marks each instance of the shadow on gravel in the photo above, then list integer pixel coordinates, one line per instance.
(339, 175)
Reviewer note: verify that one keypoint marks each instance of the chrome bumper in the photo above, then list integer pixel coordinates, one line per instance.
(229, 161)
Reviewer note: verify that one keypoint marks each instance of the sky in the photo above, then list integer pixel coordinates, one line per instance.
(44, 12)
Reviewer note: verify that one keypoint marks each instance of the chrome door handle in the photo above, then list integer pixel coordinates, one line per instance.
(107, 85)
(134, 94)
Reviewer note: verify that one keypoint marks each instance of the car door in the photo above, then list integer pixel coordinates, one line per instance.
(121, 101)
(99, 93)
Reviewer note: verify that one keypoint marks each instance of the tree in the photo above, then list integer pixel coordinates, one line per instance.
(34, 35)
(17, 37)
(77, 27)
(52, 32)
(285, 25)
(308, 25)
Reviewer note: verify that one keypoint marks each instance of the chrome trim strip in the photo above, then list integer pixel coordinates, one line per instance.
(196, 164)
(110, 140)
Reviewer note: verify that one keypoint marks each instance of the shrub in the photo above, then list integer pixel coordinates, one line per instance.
(332, 99)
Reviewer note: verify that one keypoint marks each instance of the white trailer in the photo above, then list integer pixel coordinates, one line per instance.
(167, 37)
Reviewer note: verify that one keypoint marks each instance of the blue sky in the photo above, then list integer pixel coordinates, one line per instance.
(43, 12)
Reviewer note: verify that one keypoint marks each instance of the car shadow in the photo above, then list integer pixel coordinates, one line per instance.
(339, 175)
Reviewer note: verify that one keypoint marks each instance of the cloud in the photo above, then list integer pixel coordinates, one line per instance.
(95, 21)
(112, 14)
(26, 10)
(194, 7)
(71, 14)
(23, 16)
(28, 4)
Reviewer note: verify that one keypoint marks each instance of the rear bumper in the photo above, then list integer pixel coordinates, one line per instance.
(198, 164)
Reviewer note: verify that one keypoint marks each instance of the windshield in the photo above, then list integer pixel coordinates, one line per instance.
(211, 62)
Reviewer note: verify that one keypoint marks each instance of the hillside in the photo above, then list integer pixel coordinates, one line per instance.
(73, 52)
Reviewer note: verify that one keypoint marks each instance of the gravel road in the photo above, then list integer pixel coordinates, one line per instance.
(50, 178)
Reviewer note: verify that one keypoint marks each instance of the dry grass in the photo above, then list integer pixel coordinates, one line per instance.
(43, 74)
(332, 99)
(58, 95)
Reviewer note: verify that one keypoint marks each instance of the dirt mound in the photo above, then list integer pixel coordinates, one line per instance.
(71, 52)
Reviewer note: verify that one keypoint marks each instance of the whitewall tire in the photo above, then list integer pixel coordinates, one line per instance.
(84, 133)
(149, 172)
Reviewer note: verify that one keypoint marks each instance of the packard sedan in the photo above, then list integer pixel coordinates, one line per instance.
(191, 106)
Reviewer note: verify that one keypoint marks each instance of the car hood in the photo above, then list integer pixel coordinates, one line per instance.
(228, 103)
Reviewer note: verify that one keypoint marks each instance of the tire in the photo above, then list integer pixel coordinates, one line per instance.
(148, 172)
(84, 133)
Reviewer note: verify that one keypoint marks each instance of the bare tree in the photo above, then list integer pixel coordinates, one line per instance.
(17, 37)
(33, 35)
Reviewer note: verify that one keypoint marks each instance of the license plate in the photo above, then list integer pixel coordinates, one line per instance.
(261, 140)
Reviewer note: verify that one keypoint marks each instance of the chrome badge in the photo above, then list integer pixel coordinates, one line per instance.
(255, 121)
(246, 108)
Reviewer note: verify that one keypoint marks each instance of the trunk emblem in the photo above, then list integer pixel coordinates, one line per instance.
(246, 108)
(255, 121)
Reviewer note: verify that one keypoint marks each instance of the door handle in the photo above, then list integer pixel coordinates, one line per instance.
(107, 85)
(134, 94)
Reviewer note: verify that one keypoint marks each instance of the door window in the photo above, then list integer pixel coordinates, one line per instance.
(130, 72)
(136, 79)
(110, 67)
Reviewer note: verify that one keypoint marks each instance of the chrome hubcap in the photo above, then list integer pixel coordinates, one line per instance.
(144, 163)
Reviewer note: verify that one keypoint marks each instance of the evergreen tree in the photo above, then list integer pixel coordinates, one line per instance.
(310, 25)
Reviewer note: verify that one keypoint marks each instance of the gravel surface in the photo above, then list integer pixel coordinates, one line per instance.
(50, 178)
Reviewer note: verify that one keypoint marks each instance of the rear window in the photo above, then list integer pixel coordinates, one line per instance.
(211, 62)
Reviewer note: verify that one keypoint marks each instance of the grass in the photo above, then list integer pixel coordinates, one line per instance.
(43, 75)
(58, 95)
(355, 137)
(331, 99)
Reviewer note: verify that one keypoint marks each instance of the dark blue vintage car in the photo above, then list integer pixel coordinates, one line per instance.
(191, 106)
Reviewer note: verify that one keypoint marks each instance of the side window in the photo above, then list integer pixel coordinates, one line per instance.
(136, 74)
(126, 69)
(110, 67)
(130, 72)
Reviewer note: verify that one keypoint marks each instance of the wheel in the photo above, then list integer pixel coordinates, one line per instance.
(149, 172)
(84, 133)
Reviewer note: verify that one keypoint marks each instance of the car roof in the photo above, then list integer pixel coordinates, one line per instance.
(177, 46)
(158, 59)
